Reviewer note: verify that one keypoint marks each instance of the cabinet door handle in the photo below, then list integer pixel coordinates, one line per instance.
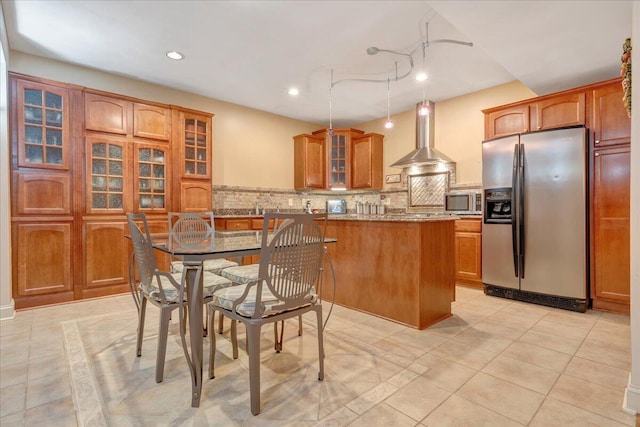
(526, 130)
(597, 154)
(597, 141)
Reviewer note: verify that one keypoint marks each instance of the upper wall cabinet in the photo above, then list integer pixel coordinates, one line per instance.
(610, 124)
(558, 111)
(506, 121)
(106, 114)
(152, 122)
(339, 160)
(120, 116)
(596, 106)
(42, 125)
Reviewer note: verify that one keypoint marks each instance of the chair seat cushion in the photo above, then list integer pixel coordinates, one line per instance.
(210, 283)
(211, 265)
(225, 298)
(242, 274)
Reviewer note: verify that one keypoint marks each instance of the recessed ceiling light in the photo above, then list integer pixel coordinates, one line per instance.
(294, 91)
(175, 55)
(421, 76)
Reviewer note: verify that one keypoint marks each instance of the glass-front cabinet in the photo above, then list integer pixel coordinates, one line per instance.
(338, 160)
(151, 172)
(43, 126)
(107, 170)
(196, 147)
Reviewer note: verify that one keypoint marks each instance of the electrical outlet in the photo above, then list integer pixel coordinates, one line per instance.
(290, 202)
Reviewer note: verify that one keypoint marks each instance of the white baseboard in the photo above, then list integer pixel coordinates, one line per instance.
(8, 311)
(631, 402)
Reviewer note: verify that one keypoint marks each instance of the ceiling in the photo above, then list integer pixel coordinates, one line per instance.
(251, 52)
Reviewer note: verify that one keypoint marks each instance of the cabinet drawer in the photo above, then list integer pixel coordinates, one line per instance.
(469, 225)
(238, 224)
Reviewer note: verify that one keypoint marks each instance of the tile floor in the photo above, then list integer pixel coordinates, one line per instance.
(494, 363)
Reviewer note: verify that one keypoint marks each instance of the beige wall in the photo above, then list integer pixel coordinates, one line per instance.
(243, 138)
(459, 129)
(250, 147)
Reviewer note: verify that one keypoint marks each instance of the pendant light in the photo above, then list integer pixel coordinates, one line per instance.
(389, 123)
(422, 74)
(330, 130)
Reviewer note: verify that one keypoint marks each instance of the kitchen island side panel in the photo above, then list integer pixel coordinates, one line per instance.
(402, 271)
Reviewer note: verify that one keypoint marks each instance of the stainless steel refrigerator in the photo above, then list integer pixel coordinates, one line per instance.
(534, 244)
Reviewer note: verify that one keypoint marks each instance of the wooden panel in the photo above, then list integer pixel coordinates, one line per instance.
(611, 125)
(42, 260)
(559, 111)
(238, 224)
(42, 193)
(397, 270)
(106, 114)
(469, 258)
(106, 253)
(366, 161)
(150, 121)
(611, 227)
(309, 162)
(195, 196)
(507, 121)
(472, 225)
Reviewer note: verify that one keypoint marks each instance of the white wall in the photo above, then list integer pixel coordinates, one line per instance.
(632, 395)
(6, 301)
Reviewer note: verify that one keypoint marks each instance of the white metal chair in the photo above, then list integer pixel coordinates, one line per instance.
(193, 227)
(191, 230)
(289, 271)
(243, 274)
(162, 289)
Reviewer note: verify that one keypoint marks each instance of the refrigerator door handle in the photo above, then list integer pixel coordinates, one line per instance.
(521, 210)
(514, 183)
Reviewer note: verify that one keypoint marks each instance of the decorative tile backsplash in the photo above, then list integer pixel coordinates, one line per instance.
(232, 200)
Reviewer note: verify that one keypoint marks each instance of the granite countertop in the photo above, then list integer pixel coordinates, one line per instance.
(409, 217)
(392, 217)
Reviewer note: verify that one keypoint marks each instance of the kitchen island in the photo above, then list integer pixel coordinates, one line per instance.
(399, 267)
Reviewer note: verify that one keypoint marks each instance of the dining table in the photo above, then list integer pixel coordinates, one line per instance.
(222, 244)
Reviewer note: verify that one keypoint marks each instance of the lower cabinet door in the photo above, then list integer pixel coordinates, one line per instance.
(106, 253)
(42, 258)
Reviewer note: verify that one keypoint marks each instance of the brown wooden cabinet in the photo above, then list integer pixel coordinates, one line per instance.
(558, 111)
(504, 121)
(366, 161)
(599, 107)
(309, 154)
(82, 159)
(193, 158)
(468, 251)
(341, 159)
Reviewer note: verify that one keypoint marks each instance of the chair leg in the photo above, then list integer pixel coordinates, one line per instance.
(141, 315)
(234, 338)
(220, 323)
(320, 346)
(163, 333)
(253, 338)
(300, 325)
(211, 314)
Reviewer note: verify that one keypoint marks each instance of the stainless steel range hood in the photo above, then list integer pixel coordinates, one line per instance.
(425, 153)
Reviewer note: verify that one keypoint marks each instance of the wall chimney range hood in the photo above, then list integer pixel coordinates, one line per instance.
(425, 153)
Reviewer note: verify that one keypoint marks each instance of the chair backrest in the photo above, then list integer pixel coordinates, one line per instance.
(142, 249)
(190, 230)
(290, 264)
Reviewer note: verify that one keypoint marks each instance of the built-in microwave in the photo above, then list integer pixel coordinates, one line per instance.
(459, 202)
